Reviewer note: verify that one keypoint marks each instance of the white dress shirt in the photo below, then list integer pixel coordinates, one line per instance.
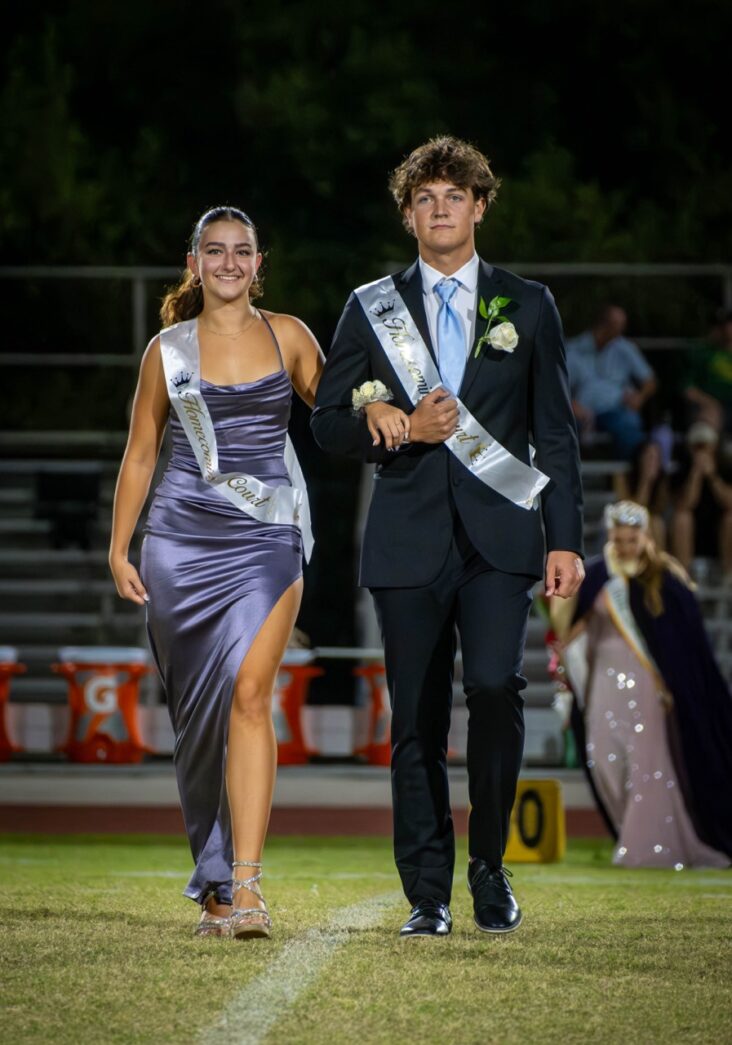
(464, 301)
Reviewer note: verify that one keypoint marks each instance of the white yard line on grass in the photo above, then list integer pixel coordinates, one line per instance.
(284, 876)
(251, 1014)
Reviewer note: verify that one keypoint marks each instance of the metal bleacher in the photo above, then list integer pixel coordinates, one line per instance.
(55, 585)
(52, 596)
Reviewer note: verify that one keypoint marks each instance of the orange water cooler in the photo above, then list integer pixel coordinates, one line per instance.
(290, 694)
(377, 749)
(103, 694)
(9, 667)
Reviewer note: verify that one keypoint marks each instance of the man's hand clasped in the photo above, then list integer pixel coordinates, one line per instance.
(433, 421)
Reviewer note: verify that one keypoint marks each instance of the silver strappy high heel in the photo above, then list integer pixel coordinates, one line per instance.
(211, 924)
(246, 922)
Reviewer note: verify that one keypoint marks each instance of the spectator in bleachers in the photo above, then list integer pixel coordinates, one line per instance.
(647, 483)
(709, 375)
(610, 380)
(701, 526)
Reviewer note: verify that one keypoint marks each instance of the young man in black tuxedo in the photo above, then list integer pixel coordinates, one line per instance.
(473, 363)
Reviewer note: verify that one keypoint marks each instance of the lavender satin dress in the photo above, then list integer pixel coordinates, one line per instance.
(213, 575)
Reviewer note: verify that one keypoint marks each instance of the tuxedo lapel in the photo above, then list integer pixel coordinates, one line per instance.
(489, 285)
(409, 285)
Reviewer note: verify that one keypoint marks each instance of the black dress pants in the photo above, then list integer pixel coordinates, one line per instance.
(490, 610)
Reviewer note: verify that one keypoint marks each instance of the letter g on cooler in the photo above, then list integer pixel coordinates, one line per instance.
(100, 694)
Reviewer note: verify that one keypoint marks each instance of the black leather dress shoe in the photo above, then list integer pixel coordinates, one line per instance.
(428, 918)
(494, 904)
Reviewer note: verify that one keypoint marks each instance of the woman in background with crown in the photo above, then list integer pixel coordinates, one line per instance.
(221, 562)
(651, 709)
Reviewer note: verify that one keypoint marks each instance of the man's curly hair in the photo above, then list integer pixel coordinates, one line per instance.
(443, 159)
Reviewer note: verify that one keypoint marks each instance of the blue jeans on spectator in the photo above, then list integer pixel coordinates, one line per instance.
(626, 428)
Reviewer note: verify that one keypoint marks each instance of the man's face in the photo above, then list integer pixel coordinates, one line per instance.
(615, 322)
(443, 216)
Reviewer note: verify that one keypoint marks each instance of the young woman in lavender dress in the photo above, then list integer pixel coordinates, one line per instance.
(221, 580)
(653, 711)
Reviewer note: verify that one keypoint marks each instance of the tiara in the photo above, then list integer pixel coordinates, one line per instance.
(626, 513)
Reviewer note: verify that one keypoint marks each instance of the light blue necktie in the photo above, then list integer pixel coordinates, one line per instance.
(450, 336)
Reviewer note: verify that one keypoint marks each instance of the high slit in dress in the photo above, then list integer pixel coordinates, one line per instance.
(213, 574)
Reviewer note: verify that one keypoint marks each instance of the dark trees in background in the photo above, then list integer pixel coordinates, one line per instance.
(121, 123)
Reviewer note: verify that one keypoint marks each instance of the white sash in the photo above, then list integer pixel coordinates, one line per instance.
(284, 505)
(474, 447)
(574, 659)
(617, 600)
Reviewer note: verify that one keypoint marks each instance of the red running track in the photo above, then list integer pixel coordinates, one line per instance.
(286, 820)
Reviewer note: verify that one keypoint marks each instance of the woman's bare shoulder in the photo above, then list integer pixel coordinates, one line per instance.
(291, 332)
(284, 320)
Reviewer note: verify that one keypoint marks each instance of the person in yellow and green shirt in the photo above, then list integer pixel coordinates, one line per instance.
(709, 375)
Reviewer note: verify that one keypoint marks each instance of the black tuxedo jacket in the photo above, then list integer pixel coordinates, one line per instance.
(517, 396)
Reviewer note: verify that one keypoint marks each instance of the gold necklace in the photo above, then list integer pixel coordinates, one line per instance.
(236, 333)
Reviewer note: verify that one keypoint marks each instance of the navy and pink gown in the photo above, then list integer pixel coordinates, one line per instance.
(659, 758)
(213, 575)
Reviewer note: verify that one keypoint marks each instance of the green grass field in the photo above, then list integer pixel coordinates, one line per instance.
(96, 947)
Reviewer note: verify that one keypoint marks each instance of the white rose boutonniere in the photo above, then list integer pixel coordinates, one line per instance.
(370, 392)
(503, 337)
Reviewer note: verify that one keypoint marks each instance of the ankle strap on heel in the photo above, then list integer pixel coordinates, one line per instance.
(250, 882)
(243, 919)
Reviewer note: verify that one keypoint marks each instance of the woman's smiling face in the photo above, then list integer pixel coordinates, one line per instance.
(227, 259)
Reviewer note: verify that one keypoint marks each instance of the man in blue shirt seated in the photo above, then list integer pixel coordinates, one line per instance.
(610, 381)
